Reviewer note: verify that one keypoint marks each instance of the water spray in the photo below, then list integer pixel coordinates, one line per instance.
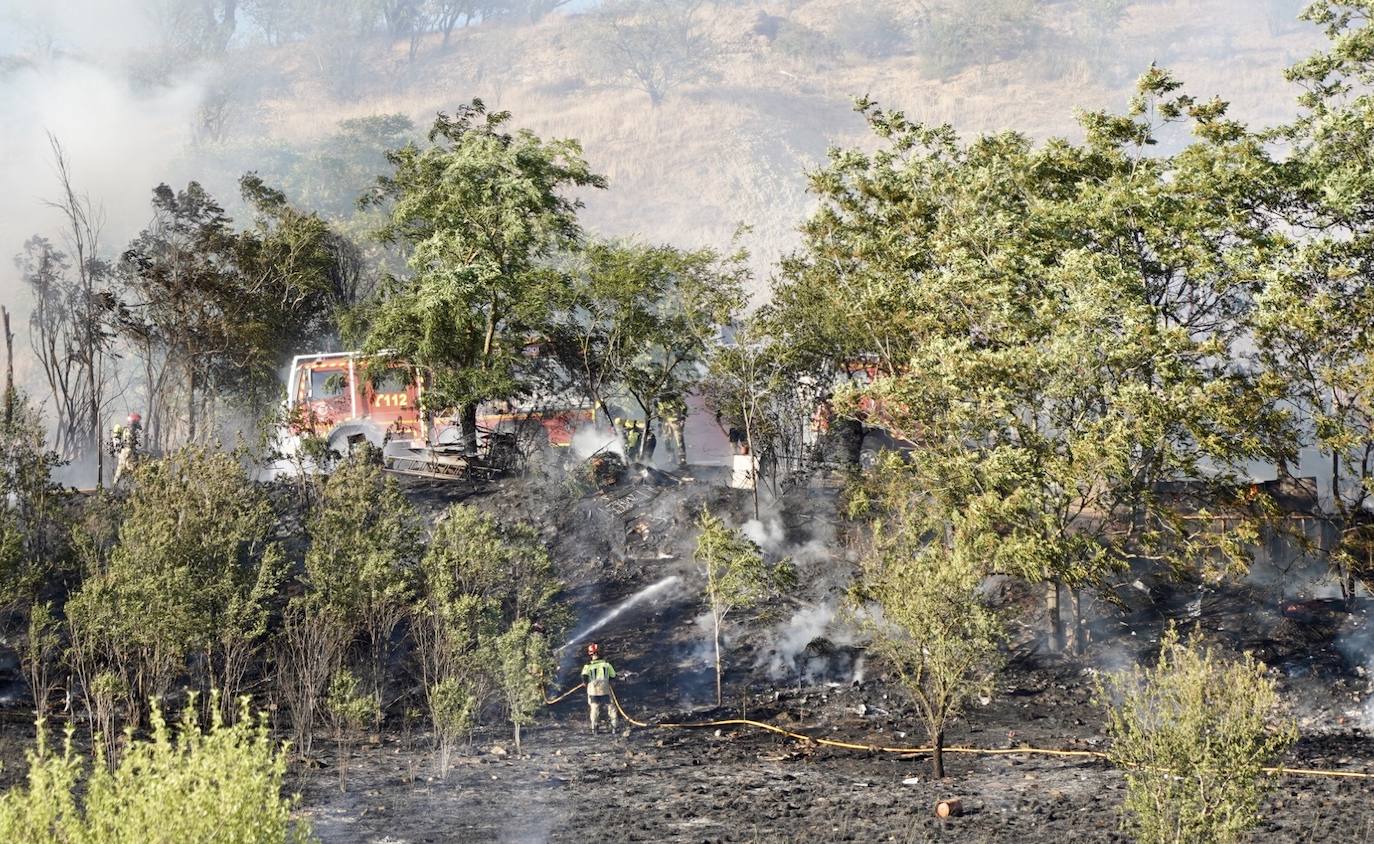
(650, 591)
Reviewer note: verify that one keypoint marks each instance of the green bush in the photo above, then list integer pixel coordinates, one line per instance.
(1193, 735)
(220, 784)
(196, 569)
(365, 541)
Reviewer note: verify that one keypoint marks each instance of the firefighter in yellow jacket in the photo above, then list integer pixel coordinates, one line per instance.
(597, 674)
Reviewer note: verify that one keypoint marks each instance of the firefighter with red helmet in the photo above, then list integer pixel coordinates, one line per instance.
(597, 674)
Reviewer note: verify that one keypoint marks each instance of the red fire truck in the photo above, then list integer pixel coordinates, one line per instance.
(328, 396)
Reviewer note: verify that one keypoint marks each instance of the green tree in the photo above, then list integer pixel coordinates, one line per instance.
(478, 579)
(1057, 329)
(453, 711)
(480, 210)
(737, 577)
(1311, 323)
(932, 625)
(523, 659)
(365, 541)
(638, 321)
(40, 653)
(35, 515)
(196, 569)
(208, 310)
(218, 782)
(1193, 735)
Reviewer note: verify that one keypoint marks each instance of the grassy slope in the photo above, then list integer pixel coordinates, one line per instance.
(735, 149)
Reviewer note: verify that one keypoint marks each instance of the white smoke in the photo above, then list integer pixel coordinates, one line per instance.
(68, 77)
(767, 535)
(589, 440)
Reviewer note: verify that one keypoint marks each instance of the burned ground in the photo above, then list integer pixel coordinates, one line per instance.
(742, 784)
(796, 666)
(745, 786)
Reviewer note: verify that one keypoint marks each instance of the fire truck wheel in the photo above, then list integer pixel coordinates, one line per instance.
(868, 458)
(342, 440)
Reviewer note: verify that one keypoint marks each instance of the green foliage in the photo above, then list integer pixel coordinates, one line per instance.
(932, 626)
(1057, 329)
(210, 311)
(737, 577)
(365, 541)
(480, 210)
(349, 708)
(196, 568)
(523, 659)
(637, 321)
(221, 783)
(1193, 735)
(41, 649)
(480, 579)
(1311, 322)
(453, 711)
(35, 519)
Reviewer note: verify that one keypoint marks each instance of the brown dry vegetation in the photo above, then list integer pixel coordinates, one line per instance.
(734, 149)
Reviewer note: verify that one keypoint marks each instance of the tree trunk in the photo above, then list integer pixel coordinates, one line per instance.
(517, 738)
(190, 405)
(717, 641)
(1053, 618)
(467, 423)
(1079, 637)
(9, 369)
(937, 758)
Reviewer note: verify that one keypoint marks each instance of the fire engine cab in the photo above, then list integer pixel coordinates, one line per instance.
(328, 396)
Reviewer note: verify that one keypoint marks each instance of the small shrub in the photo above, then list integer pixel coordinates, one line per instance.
(523, 660)
(218, 784)
(452, 708)
(348, 709)
(1193, 735)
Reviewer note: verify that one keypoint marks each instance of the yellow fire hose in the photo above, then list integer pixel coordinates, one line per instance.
(912, 751)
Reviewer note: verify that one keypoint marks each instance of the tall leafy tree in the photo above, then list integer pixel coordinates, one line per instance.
(1313, 322)
(638, 321)
(481, 210)
(933, 628)
(1056, 328)
(211, 311)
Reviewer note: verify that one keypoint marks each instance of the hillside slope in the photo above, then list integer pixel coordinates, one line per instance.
(733, 149)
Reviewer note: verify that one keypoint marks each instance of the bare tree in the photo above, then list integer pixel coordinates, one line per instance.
(70, 327)
(446, 14)
(194, 28)
(654, 45)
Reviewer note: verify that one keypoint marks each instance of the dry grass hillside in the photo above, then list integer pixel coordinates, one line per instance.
(733, 149)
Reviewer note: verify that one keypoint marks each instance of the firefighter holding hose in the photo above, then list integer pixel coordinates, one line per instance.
(597, 674)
